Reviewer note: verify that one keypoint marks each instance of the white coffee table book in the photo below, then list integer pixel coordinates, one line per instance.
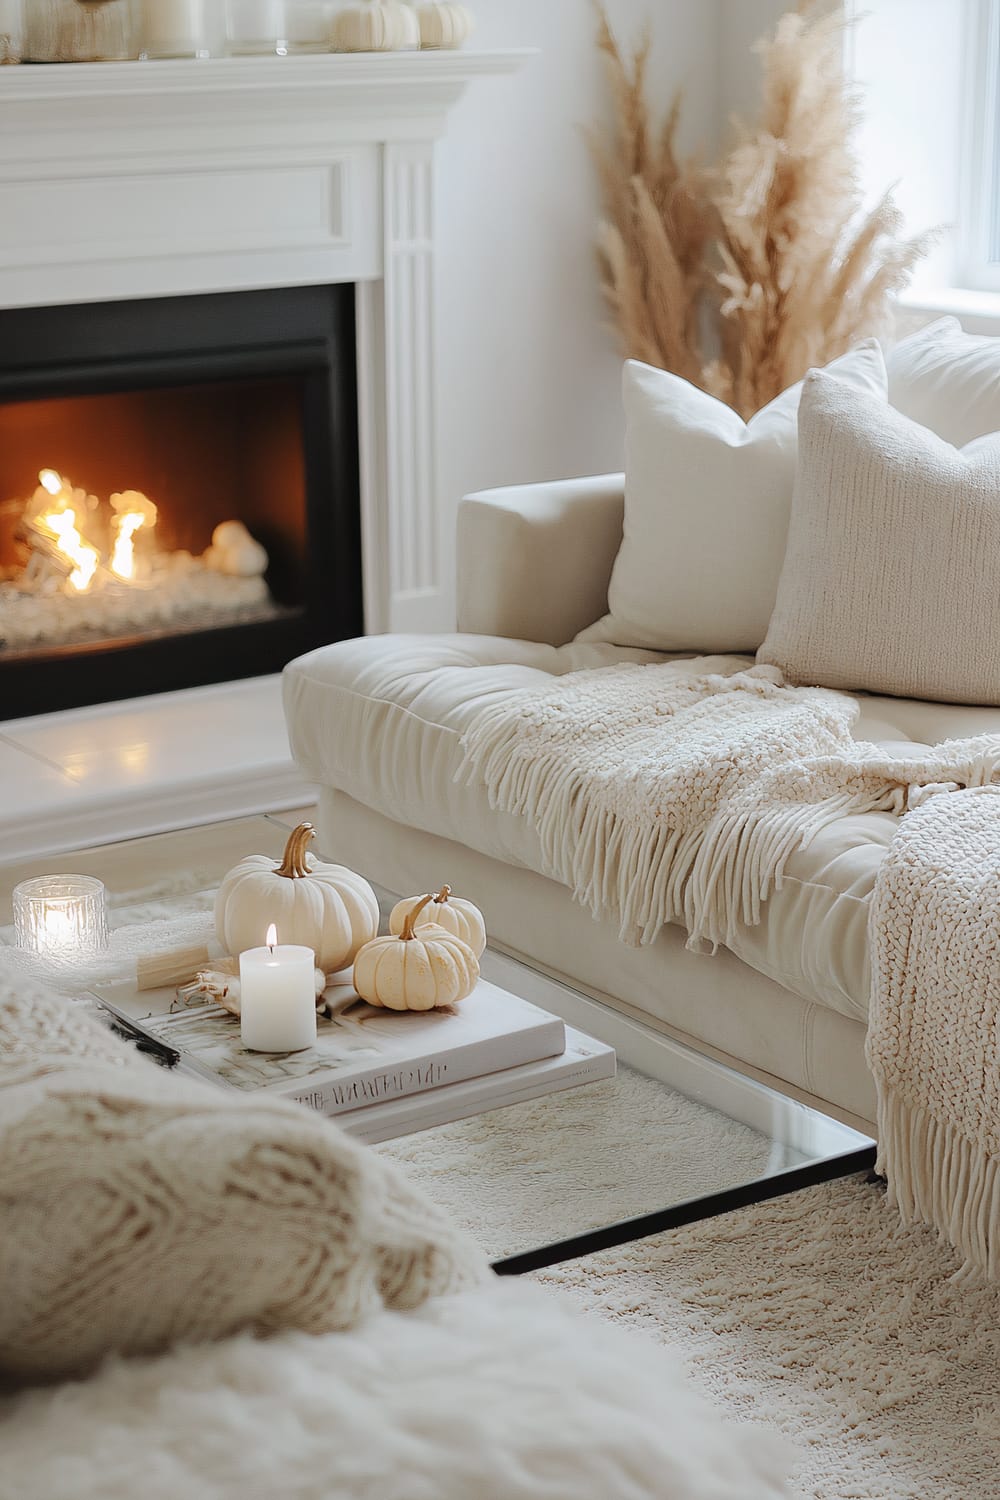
(382, 1074)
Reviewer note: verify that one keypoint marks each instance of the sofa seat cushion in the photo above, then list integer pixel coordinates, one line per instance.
(382, 718)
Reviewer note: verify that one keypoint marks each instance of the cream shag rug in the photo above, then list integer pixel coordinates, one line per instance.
(818, 1315)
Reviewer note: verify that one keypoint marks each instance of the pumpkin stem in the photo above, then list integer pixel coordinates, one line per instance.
(407, 934)
(443, 895)
(293, 866)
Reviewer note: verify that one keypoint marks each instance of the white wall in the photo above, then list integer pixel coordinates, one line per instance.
(530, 376)
(741, 24)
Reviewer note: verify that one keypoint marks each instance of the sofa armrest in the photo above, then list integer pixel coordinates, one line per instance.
(534, 560)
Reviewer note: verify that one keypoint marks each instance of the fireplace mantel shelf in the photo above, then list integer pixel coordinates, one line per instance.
(370, 73)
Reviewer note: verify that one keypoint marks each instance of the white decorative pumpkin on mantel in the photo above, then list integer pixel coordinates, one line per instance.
(421, 969)
(375, 26)
(450, 912)
(324, 907)
(444, 25)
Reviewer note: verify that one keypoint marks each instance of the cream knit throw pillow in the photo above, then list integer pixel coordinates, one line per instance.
(139, 1208)
(891, 578)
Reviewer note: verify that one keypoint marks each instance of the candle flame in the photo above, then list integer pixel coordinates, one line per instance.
(60, 523)
(272, 935)
(58, 924)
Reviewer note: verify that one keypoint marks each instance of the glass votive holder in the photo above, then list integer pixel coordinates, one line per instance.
(182, 28)
(308, 24)
(11, 31)
(257, 28)
(61, 917)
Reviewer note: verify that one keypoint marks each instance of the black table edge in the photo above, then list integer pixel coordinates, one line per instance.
(691, 1211)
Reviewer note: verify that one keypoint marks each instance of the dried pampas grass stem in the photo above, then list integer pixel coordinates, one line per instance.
(772, 242)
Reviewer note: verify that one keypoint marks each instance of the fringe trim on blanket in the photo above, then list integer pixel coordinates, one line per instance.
(711, 879)
(938, 1176)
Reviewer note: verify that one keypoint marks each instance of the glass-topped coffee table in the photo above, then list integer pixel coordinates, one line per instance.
(675, 1137)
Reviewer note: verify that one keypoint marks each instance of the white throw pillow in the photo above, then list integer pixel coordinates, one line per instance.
(891, 577)
(707, 500)
(947, 380)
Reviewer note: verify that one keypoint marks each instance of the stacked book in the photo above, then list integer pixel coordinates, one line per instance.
(382, 1074)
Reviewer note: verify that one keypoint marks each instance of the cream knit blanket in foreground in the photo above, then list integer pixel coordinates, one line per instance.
(139, 1209)
(677, 792)
(934, 1029)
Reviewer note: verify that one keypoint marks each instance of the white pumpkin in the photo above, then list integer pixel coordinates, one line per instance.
(421, 969)
(324, 907)
(444, 25)
(375, 26)
(448, 911)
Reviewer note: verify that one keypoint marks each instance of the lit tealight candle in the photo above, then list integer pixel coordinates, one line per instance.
(62, 917)
(277, 996)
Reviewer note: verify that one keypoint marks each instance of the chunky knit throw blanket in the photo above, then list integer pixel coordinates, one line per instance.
(677, 792)
(934, 1030)
(139, 1208)
(669, 793)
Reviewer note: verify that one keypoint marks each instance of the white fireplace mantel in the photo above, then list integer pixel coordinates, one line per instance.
(128, 180)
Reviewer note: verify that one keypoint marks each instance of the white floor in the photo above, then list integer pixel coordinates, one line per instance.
(117, 770)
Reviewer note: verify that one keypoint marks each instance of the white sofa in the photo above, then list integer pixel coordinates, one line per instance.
(376, 724)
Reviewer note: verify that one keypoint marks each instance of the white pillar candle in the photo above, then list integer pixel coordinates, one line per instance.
(278, 997)
(182, 28)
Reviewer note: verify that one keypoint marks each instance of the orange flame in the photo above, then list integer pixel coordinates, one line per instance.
(123, 555)
(60, 523)
(132, 511)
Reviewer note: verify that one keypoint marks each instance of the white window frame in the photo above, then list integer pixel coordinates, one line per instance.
(979, 230)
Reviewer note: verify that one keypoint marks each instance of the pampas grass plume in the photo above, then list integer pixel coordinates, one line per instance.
(771, 241)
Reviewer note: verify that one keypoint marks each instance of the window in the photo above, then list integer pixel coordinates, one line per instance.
(908, 59)
(979, 228)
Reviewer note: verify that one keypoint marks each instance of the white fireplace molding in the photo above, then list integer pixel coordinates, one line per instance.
(170, 178)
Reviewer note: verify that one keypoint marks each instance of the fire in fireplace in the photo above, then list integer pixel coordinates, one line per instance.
(178, 492)
(93, 572)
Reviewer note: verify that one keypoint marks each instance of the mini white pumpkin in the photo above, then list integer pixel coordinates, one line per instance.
(324, 907)
(444, 25)
(375, 26)
(418, 970)
(448, 911)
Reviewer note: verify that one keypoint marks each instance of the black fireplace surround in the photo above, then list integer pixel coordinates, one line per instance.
(273, 373)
